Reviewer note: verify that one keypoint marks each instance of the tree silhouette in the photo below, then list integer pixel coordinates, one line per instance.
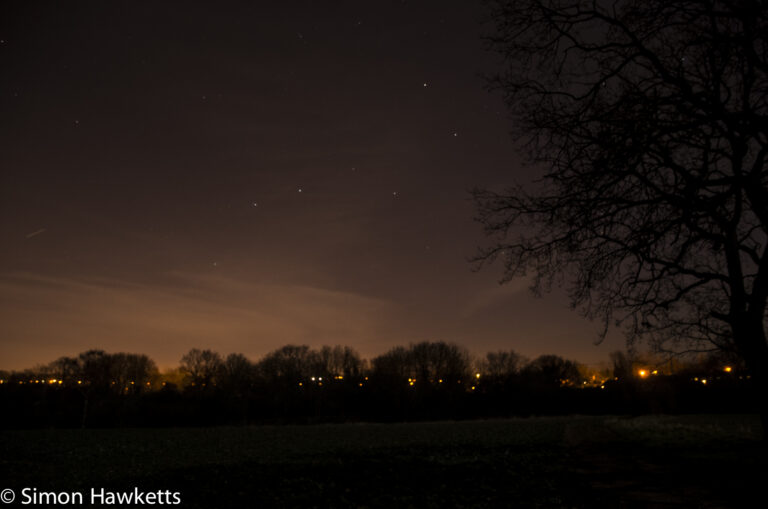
(290, 363)
(396, 363)
(427, 362)
(237, 374)
(131, 372)
(501, 365)
(202, 367)
(435, 360)
(551, 370)
(649, 119)
(340, 361)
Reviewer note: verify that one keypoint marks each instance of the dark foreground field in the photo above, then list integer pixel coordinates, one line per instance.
(657, 461)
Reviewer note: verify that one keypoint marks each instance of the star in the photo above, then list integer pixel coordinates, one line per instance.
(300, 189)
(394, 194)
(455, 134)
(425, 85)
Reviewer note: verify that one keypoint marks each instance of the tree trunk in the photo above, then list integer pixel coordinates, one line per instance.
(749, 336)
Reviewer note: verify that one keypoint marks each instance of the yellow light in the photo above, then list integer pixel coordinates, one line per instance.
(477, 375)
(473, 387)
(80, 382)
(411, 383)
(59, 382)
(341, 377)
(602, 386)
(361, 384)
(366, 378)
(704, 381)
(300, 384)
(728, 369)
(642, 373)
(440, 381)
(654, 372)
(321, 383)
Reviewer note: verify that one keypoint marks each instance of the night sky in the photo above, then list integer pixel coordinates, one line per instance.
(244, 175)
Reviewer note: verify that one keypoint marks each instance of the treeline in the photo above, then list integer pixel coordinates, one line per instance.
(428, 380)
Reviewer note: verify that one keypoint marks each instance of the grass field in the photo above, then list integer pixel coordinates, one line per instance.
(652, 461)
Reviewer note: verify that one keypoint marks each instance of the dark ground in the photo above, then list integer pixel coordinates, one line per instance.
(651, 461)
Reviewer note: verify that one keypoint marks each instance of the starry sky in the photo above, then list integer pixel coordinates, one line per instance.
(244, 175)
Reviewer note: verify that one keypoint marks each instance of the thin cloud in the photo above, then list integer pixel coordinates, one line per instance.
(60, 316)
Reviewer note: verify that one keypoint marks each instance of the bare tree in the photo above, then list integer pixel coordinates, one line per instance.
(202, 367)
(427, 362)
(622, 365)
(237, 373)
(649, 120)
(501, 365)
(340, 361)
(434, 360)
(291, 363)
(131, 372)
(552, 370)
(396, 363)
